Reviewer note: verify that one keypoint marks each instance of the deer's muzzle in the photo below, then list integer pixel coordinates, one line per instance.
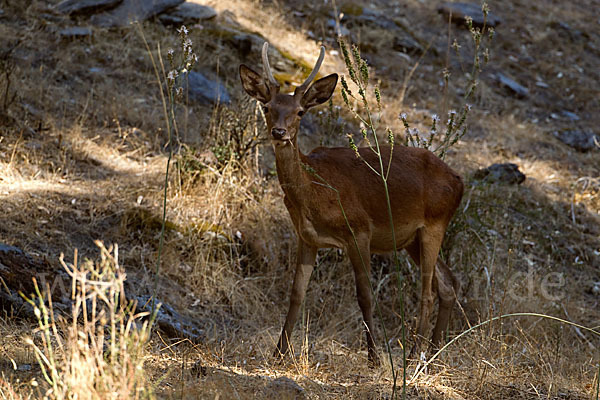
(278, 133)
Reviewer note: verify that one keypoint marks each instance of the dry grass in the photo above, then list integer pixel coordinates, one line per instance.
(82, 158)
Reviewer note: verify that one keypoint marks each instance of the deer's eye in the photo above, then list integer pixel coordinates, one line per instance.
(265, 109)
(300, 113)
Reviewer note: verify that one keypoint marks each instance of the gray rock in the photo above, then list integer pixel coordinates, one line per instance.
(507, 173)
(75, 32)
(133, 11)
(579, 140)
(284, 388)
(461, 10)
(512, 85)
(85, 7)
(4, 248)
(405, 44)
(565, 115)
(169, 19)
(205, 90)
(232, 33)
(377, 19)
(565, 29)
(244, 43)
(188, 13)
(359, 16)
(332, 25)
(170, 321)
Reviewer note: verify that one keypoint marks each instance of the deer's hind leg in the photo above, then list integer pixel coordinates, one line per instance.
(435, 277)
(447, 286)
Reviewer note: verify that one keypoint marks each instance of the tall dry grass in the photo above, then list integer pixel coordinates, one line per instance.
(98, 350)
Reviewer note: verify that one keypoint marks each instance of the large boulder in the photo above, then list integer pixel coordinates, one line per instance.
(187, 13)
(461, 10)
(580, 140)
(205, 90)
(85, 7)
(130, 11)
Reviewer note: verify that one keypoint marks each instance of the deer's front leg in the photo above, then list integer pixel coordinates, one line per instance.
(360, 257)
(306, 256)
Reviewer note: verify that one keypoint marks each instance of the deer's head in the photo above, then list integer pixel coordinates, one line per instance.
(284, 111)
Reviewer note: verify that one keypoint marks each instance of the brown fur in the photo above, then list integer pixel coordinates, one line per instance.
(424, 194)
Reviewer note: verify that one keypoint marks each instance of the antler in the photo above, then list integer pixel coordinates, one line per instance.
(302, 88)
(267, 67)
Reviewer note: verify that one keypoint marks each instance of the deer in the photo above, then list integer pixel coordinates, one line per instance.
(424, 195)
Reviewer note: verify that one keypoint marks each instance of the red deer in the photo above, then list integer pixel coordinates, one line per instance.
(424, 194)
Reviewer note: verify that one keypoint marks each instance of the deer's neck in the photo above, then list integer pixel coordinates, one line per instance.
(292, 175)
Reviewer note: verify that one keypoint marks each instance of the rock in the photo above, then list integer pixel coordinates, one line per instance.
(170, 321)
(570, 115)
(580, 140)
(24, 367)
(10, 249)
(75, 32)
(513, 86)
(187, 13)
(17, 269)
(370, 18)
(351, 8)
(507, 173)
(208, 157)
(331, 24)
(169, 19)
(405, 44)
(243, 43)
(461, 10)
(85, 7)
(564, 29)
(130, 11)
(204, 90)
(231, 32)
(376, 19)
(247, 44)
(284, 388)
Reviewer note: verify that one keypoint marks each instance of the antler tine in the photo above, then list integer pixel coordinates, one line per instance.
(314, 72)
(266, 66)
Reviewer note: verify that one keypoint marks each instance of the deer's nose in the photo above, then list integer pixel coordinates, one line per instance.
(278, 133)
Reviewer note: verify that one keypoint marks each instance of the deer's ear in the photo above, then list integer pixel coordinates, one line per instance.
(319, 92)
(254, 84)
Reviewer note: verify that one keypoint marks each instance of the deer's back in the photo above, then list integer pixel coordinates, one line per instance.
(422, 187)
